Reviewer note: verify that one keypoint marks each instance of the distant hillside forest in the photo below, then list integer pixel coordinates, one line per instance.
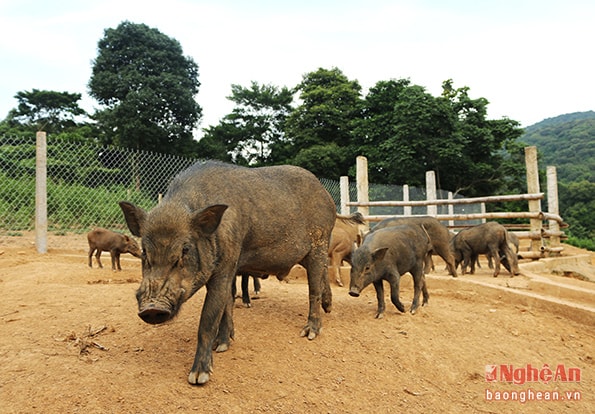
(568, 143)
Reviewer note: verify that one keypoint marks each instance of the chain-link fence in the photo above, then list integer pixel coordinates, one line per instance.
(85, 182)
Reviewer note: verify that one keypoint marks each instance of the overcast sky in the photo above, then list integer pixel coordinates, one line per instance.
(530, 59)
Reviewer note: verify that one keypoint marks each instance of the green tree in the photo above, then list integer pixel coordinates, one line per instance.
(147, 87)
(485, 159)
(424, 138)
(376, 125)
(321, 127)
(43, 110)
(577, 204)
(405, 132)
(256, 123)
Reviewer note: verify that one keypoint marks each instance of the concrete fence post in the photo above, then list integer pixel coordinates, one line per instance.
(41, 203)
(552, 205)
(344, 188)
(361, 167)
(533, 188)
(432, 209)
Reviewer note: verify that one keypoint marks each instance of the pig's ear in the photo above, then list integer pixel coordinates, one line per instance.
(135, 217)
(379, 254)
(206, 221)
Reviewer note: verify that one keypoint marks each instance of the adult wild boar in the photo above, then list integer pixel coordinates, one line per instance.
(439, 237)
(101, 239)
(488, 238)
(386, 254)
(217, 221)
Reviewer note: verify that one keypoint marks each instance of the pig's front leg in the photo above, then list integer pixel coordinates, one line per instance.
(380, 297)
(216, 300)
(394, 280)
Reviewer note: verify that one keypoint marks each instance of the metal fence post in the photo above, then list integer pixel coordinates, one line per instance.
(41, 213)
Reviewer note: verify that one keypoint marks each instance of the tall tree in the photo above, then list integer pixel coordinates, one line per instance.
(49, 111)
(256, 123)
(376, 125)
(405, 132)
(147, 87)
(485, 159)
(319, 131)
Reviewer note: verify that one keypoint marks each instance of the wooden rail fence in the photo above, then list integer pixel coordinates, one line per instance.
(544, 240)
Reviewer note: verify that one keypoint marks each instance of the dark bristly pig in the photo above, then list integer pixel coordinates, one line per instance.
(386, 254)
(488, 238)
(101, 239)
(513, 243)
(439, 237)
(217, 221)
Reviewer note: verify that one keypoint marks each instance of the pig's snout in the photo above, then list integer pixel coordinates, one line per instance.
(154, 315)
(354, 292)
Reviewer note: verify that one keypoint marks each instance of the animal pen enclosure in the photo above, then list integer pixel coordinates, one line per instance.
(542, 229)
(544, 238)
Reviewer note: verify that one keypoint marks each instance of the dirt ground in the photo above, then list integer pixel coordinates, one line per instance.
(71, 342)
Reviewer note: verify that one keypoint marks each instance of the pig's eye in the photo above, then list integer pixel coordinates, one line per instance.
(180, 261)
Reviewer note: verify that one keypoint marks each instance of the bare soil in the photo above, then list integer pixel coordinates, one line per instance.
(70, 341)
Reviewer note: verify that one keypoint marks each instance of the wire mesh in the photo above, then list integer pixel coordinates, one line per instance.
(86, 181)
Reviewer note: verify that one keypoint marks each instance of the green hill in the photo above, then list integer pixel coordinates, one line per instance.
(568, 143)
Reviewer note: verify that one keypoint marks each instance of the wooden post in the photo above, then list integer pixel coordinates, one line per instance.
(533, 188)
(41, 201)
(552, 206)
(432, 209)
(344, 187)
(406, 209)
(361, 168)
(451, 209)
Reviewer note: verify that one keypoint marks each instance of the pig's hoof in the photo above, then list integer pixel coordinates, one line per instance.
(380, 315)
(222, 348)
(309, 332)
(202, 378)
